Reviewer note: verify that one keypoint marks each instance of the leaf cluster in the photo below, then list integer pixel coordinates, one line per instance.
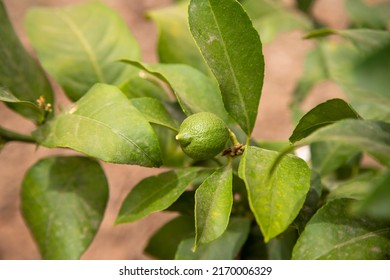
(256, 200)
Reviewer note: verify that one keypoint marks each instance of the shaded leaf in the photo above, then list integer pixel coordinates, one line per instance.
(8, 97)
(194, 91)
(333, 234)
(358, 187)
(372, 137)
(155, 112)
(322, 115)
(224, 248)
(80, 45)
(63, 202)
(275, 199)
(327, 157)
(271, 18)
(175, 43)
(314, 71)
(143, 86)
(213, 204)
(155, 193)
(20, 74)
(172, 153)
(359, 66)
(304, 5)
(234, 54)
(104, 124)
(377, 203)
(164, 243)
(372, 16)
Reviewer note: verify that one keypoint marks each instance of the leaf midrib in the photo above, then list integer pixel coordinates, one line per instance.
(235, 81)
(84, 44)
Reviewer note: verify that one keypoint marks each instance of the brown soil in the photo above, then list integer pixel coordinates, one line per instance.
(283, 67)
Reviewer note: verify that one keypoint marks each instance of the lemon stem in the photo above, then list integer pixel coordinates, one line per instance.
(233, 138)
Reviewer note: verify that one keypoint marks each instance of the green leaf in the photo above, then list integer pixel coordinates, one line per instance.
(172, 153)
(104, 124)
(63, 202)
(224, 248)
(271, 18)
(155, 194)
(143, 86)
(20, 74)
(275, 198)
(155, 112)
(175, 43)
(358, 187)
(304, 5)
(233, 50)
(213, 204)
(377, 203)
(333, 234)
(372, 137)
(195, 91)
(368, 16)
(326, 157)
(359, 66)
(322, 115)
(9, 98)
(80, 45)
(164, 243)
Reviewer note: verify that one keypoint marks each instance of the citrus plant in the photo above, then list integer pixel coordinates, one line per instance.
(194, 113)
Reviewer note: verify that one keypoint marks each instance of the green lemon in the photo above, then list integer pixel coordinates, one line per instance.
(203, 135)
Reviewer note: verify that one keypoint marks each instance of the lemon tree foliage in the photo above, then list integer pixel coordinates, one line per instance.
(193, 113)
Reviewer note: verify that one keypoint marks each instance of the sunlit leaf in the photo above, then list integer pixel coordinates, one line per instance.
(104, 124)
(233, 50)
(362, 15)
(213, 204)
(275, 198)
(63, 202)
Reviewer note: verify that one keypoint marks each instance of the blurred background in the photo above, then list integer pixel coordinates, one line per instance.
(284, 64)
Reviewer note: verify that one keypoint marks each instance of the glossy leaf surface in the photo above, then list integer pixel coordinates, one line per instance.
(323, 114)
(104, 124)
(80, 45)
(224, 248)
(155, 193)
(333, 234)
(234, 54)
(20, 75)
(275, 198)
(213, 204)
(63, 202)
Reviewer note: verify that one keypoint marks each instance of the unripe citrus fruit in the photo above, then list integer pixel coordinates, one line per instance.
(202, 135)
